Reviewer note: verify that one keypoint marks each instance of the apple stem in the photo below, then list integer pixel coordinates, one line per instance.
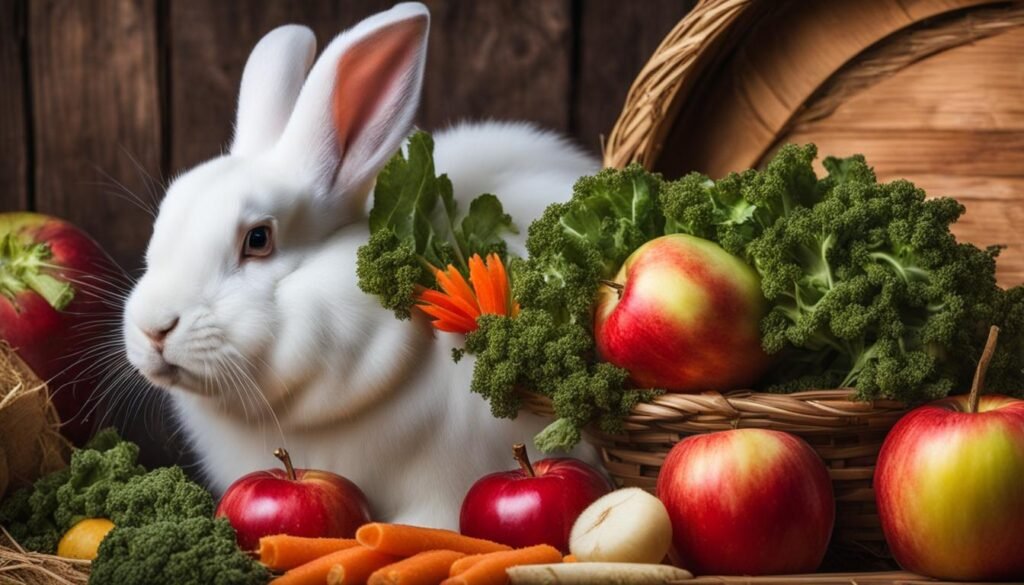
(285, 458)
(979, 374)
(519, 452)
(612, 284)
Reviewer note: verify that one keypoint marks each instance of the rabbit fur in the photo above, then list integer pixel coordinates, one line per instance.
(286, 350)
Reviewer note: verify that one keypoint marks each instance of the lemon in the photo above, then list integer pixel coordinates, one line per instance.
(82, 540)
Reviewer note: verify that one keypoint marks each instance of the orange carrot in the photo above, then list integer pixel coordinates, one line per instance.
(356, 565)
(405, 541)
(490, 570)
(282, 551)
(464, 563)
(481, 280)
(570, 559)
(426, 568)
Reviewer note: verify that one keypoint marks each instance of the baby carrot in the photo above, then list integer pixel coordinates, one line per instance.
(464, 563)
(356, 565)
(426, 568)
(490, 570)
(406, 541)
(281, 552)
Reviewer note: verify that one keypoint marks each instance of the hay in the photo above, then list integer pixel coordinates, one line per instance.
(31, 444)
(21, 567)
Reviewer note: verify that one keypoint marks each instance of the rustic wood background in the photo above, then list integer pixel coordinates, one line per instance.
(101, 96)
(98, 97)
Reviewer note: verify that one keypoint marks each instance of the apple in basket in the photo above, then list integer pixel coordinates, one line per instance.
(950, 486)
(535, 504)
(747, 502)
(684, 315)
(299, 502)
(59, 293)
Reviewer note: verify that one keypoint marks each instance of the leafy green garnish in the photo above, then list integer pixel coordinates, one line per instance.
(415, 225)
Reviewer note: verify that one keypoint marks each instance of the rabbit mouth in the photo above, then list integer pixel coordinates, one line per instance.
(166, 374)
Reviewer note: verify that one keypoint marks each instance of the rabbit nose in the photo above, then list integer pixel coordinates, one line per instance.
(157, 336)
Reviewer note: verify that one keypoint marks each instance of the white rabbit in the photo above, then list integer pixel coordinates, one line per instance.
(249, 312)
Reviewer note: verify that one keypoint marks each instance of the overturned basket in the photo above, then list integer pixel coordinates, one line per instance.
(918, 87)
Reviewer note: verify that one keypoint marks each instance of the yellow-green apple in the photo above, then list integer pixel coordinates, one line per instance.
(747, 502)
(535, 504)
(683, 315)
(299, 502)
(950, 488)
(59, 293)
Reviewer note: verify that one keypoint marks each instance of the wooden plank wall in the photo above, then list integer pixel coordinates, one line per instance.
(98, 97)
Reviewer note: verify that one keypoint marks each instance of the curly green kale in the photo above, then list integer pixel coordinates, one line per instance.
(37, 517)
(867, 285)
(94, 474)
(575, 244)
(556, 359)
(549, 348)
(102, 481)
(162, 494)
(27, 514)
(197, 551)
(415, 224)
(390, 269)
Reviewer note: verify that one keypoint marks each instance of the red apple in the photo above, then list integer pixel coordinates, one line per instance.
(299, 502)
(950, 488)
(683, 315)
(59, 298)
(747, 502)
(536, 504)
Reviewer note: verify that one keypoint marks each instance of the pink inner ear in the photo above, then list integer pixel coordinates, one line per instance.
(366, 73)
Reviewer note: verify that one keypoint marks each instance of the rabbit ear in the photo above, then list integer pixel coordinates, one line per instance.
(358, 105)
(271, 82)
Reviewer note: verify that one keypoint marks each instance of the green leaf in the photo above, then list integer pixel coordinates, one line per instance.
(482, 230)
(614, 213)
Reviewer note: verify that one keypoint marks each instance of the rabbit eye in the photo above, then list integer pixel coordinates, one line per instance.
(258, 242)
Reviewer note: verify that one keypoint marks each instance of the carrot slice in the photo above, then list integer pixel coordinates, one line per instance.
(461, 565)
(569, 559)
(356, 564)
(426, 568)
(457, 321)
(405, 541)
(458, 289)
(501, 283)
(281, 552)
(490, 570)
(436, 297)
(481, 279)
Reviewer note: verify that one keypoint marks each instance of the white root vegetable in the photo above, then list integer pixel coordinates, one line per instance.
(589, 573)
(625, 526)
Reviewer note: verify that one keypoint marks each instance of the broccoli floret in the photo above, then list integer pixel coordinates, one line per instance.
(162, 494)
(197, 551)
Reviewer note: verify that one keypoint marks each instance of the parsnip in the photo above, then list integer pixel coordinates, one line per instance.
(588, 573)
(627, 526)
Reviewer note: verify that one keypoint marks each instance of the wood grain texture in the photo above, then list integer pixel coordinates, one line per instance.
(13, 137)
(96, 107)
(779, 65)
(614, 39)
(502, 60)
(209, 43)
(953, 124)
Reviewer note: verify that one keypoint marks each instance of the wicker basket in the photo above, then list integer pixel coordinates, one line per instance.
(735, 79)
